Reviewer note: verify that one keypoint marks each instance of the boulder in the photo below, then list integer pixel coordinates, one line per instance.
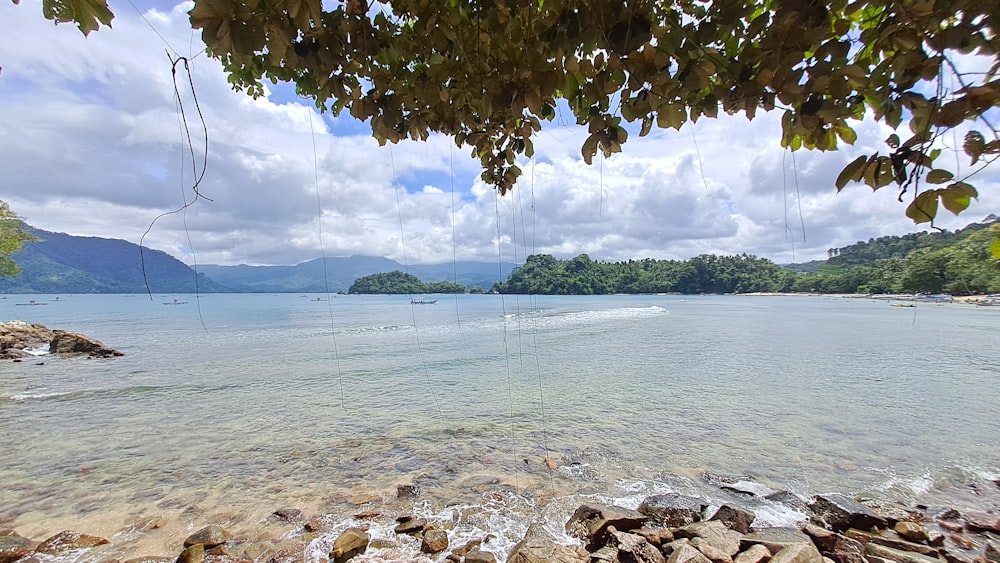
(715, 554)
(351, 542)
(840, 512)
(434, 540)
(824, 539)
(192, 554)
(846, 550)
(890, 539)
(911, 531)
(590, 522)
(673, 510)
(798, 553)
(72, 343)
(633, 547)
(288, 514)
(539, 547)
(735, 518)
(756, 554)
(685, 553)
(209, 536)
(68, 541)
(876, 550)
(992, 551)
(774, 539)
(982, 521)
(477, 556)
(714, 533)
(14, 546)
(410, 525)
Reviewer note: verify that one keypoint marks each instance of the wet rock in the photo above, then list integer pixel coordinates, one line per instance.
(539, 547)
(288, 514)
(824, 539)
(982, 521)
(687, 554)
(632, 547)
(672, 509)
(951, 526)
(846, 550)
(992, 551)
(655, 537)
(209, 536)
(407, 491)
(315, 525)
(894, 512)
(955, 556)
(590, 522)
(962, 542)
(756, 554)
(150, 559)
(715, 554)
(911, 531)
(192, 554)
(734, 518)
(840, 512)
(351, 542)
(14, 546)
(71, 343)
(774, 539)
(876, 550)
(798, 553)
(364, 499)
(477, 556)
(68, 541)
(410, 525)
(434, 541)
(714, 533)
(890, 539)
(788, 499)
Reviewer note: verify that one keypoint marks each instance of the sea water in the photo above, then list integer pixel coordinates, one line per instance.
(227, 407)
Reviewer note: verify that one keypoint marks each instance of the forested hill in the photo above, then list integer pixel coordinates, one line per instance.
(957, 262)
(61, 263)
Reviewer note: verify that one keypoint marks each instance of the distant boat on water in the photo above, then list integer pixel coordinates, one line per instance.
(423, 301)
(175, 302)
(32, 302)
(903, 305)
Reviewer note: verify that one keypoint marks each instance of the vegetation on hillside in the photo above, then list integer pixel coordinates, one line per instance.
(13, 235)
(958, 262)
(488, 73)
(396, 282)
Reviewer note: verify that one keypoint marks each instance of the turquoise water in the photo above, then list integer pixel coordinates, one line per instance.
(235, 405)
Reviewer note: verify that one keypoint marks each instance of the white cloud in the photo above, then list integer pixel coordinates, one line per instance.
(91, 144)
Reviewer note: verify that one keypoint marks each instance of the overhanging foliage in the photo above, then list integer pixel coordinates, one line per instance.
(488, 72)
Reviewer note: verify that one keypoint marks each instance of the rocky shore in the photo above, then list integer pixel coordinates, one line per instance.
(670, 528)
(18, 337)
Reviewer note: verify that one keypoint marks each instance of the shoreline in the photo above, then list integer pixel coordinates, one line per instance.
(499, 523)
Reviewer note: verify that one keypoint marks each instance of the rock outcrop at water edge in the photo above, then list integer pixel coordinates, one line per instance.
(18, 337)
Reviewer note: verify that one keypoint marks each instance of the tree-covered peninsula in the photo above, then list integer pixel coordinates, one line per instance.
(957, 262)
(396, 282)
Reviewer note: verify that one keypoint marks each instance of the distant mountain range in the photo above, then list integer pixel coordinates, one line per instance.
(61, 263)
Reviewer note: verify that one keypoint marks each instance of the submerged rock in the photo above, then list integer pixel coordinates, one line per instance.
(69, 541)
(434, 541)
(353, 541)
(16, 337)
(840, 512)
(209, 536)
(72, 343)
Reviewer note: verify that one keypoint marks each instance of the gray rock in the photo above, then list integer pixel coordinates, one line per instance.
(590, 522)
(756, 554)
(876, 550)
(209, 536)
(798, 553)
(890, 539)
(634, 548)
(774, 539)
(715, 554)
(714, 533)
(992, 551)
(72, 343)
(687, 554)
(982, 521)
(478, 556)
(673, 510)
(734, 518)
(192, 554)
(840, 512)
(539, 547)
(14, 546)
(407, 491)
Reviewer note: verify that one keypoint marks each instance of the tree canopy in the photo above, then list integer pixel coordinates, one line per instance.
(488, 72)
(12, 238)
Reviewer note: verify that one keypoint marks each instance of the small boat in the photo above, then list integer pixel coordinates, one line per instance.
(423, 301)
(175, 302)
(31, 302)
(903, 305)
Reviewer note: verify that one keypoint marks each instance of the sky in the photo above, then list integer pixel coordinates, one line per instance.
(92, 144)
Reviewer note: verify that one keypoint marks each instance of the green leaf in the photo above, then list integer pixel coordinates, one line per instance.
(939, 176)
(853, 172)
(923, 208)
(88, 14)
(957, 197)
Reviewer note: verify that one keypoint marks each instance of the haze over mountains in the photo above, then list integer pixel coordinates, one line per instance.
(61, 263)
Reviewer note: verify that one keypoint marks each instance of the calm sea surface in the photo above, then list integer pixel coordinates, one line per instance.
(227, 407)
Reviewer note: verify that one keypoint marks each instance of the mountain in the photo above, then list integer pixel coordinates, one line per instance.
(61, 263)
(340, 273)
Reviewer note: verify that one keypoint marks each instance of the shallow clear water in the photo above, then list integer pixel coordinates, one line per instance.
(236, 405)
